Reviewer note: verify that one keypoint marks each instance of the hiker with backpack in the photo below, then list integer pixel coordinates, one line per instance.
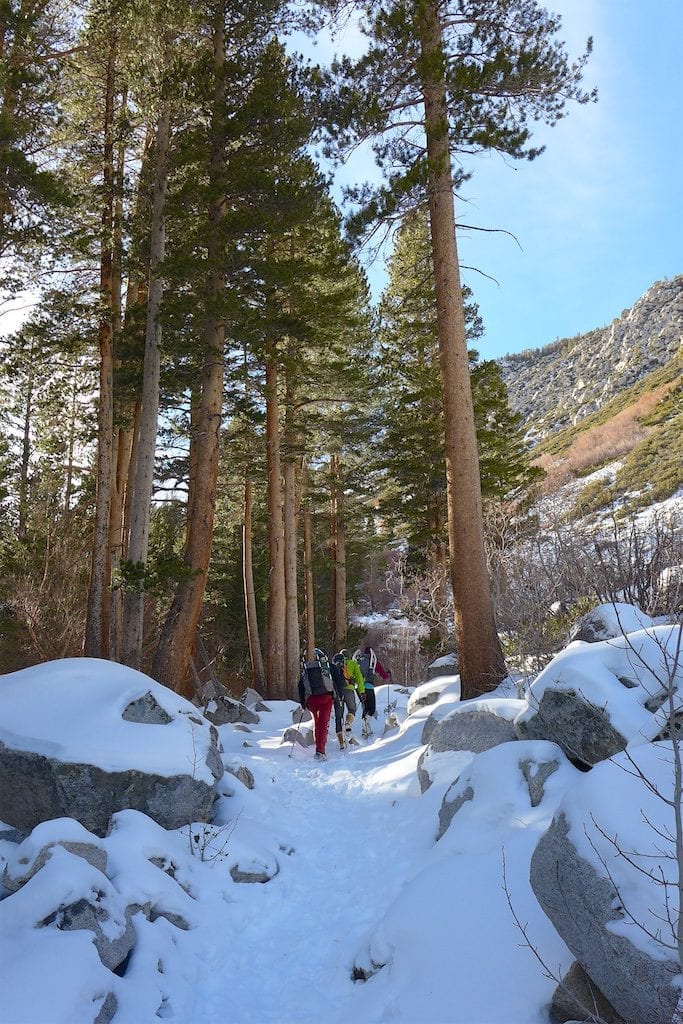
(339, 683)
(316, 692)
(353, 684)
(370, 666)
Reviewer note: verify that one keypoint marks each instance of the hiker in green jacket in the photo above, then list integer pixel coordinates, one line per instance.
(353, 684)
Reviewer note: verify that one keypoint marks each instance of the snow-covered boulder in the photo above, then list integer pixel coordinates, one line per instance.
(86, 902)
(251, 697)
(304, 737)
(607, 621)
(83, 739)
(446, 702)
(432, 691)
(222, 709)
(596, 699)
(444, 768)
(522, 771)
(476, 726)
(300, 715)
(445, 665)
(606, 876)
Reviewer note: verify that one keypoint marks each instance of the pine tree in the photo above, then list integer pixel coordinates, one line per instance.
(481, 71)
(411, 445)
(35, 39)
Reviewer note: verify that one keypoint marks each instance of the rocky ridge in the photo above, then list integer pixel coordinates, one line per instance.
(562, 383)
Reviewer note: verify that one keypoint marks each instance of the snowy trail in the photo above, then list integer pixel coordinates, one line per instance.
(282, 952)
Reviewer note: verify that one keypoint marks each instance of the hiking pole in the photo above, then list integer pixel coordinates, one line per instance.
(301, 718)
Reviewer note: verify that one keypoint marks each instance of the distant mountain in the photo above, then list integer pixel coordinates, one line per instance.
(563, 383)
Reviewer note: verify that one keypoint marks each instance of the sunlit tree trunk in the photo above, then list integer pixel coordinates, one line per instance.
(142, 475)
(173, 658)
(258, 673)
(308, 582)
(480, 658)
(291, 545)
(97, 621)
(338, 547)
(276, 639)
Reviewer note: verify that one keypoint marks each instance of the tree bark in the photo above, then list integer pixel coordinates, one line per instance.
(481, 661)
(142, 478)
(258, 672)
(119, 446)
(339, 621)
(25, 453)
(276, 640)
(71, 446)
(308, 583)
(173, 657)
(291, 586)
(97, 620)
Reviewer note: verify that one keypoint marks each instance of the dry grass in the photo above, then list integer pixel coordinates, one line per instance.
(603, 443)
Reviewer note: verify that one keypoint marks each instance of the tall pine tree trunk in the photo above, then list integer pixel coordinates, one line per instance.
(142, 477)
(71, 446)
(258, 672)
(277, 611)
(97, 619)
(291, 586)
(308, 583)
(480, 658)
(338, 546)
(25, 453)
(291, 544)
(173, 657)
(119, 458)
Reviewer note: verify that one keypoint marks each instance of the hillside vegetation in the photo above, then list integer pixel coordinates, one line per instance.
(563, 384)
(605, 404)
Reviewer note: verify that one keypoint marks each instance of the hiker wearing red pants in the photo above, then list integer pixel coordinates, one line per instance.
(316, 694)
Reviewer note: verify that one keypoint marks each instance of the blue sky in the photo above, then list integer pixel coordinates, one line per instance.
(598, 218)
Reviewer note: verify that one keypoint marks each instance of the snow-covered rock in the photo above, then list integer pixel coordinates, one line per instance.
(85, 739)
(524, 771)
(222, 709)
(607, 621)
(432, 691)
(609, 885)
(477, 726)
(596, 699)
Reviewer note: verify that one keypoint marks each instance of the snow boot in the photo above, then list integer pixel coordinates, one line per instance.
(366, 728)
(342, 741)
(320, 757)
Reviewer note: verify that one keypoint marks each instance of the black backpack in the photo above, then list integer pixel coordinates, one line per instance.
(367, 661)
(316, 676)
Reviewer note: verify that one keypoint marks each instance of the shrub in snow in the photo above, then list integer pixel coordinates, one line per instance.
(607, 877)
(82, 738)
(608, 621)
(594, 700)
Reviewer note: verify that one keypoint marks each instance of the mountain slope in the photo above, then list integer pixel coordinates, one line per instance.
(568, 380)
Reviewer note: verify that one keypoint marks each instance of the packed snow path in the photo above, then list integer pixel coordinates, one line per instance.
(283, 951)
